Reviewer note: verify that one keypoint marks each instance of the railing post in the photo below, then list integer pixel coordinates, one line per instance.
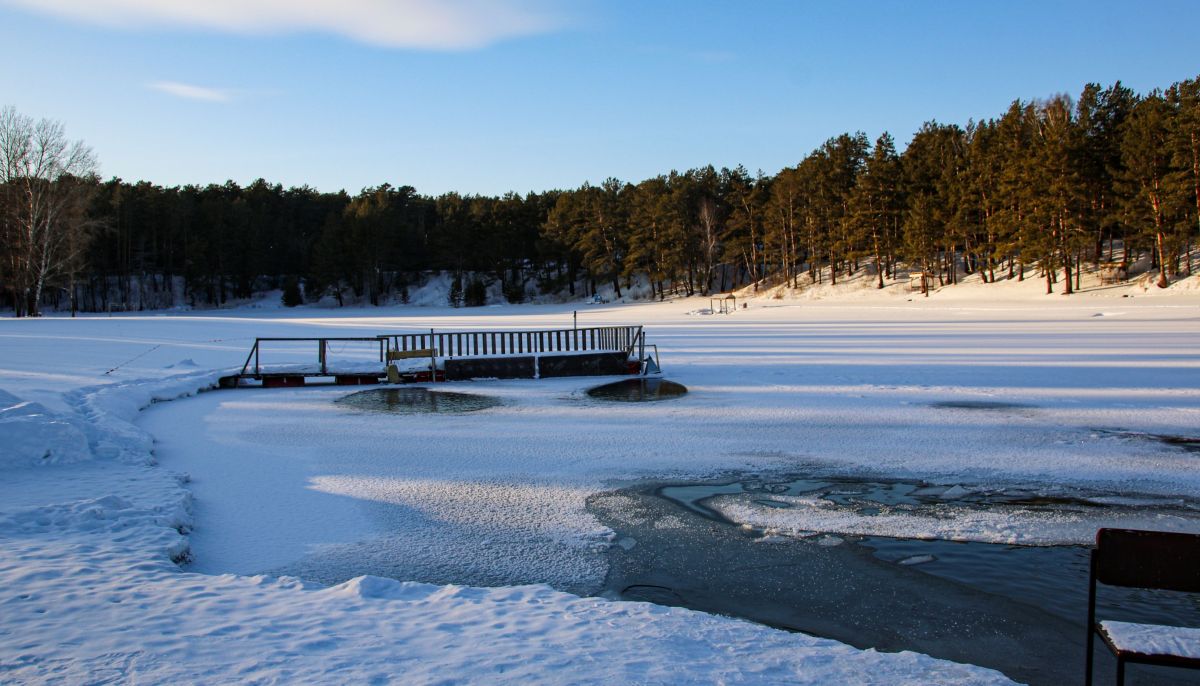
(256, 357)
(321, 353)
(642, 347)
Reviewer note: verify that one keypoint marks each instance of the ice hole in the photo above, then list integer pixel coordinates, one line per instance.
(417, 400)
(638, 390)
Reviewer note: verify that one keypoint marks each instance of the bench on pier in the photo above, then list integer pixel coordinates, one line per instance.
(1150, 560)
(427, 353)
(396, 375)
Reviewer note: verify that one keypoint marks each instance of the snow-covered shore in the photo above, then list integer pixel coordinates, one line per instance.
(92, 530)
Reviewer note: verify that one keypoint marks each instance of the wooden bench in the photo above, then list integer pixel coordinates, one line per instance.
(1150, 560)
(394, 355)
(394, 375)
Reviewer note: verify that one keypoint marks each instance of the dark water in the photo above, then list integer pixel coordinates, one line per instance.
(979, 405)
(638, 390)
(1188, 443)
(417, 400)
(1018, 609)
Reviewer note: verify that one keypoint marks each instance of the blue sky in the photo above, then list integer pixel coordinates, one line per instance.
(522, 95)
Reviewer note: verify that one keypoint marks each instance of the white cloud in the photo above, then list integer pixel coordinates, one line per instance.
(422, 24)
(190, 92)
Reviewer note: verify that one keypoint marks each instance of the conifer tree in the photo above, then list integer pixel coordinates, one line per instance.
(1185, 100)
(877, 204)
(1148, 174)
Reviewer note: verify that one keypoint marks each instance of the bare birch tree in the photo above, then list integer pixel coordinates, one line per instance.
(47, 180)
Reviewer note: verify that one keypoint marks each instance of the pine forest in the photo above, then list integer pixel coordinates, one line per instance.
(1045, 190)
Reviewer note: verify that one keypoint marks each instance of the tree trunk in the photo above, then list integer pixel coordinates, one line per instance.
(878, 262)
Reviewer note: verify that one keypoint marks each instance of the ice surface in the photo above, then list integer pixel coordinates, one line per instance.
(1058, 524)
(90, 538)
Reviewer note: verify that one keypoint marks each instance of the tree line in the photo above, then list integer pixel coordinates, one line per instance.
(1039, 191)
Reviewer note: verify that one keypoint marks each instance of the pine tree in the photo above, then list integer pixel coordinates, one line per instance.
(1185, 100)
(292, 297)
(1100, 115)
(1148, 173)
(456, 291)
(475, 294)
(877, 204)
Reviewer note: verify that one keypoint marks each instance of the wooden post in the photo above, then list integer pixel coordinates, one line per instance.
(432, 358)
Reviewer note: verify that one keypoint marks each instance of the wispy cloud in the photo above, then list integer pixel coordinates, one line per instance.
(714, 56)
(420, 24)
(191, 92)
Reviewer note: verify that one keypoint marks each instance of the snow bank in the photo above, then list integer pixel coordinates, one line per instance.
(109, 410)
(33, 435)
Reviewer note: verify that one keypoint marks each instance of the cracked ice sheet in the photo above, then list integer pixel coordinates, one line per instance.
(1004, 524)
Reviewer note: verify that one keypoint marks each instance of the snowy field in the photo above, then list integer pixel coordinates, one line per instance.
(278, 501)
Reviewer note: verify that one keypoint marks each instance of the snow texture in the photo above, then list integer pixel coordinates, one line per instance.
(35, 435)
(1154, 639)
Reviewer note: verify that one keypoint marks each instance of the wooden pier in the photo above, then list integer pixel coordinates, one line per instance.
(449, 356)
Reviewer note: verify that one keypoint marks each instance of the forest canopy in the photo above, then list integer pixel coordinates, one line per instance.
(1039, 191)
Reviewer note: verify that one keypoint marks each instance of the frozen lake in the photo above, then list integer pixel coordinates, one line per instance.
(968, 400)
(1088, 397)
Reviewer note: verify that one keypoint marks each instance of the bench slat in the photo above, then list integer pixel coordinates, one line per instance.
(1153, 642)
(410, 354)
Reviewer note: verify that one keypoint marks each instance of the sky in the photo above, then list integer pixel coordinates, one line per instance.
(490, 96)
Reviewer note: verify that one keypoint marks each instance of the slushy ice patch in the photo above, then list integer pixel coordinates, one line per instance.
(956, 512)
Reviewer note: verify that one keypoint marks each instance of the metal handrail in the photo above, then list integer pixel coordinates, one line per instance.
(322, 349)
(643, 368)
